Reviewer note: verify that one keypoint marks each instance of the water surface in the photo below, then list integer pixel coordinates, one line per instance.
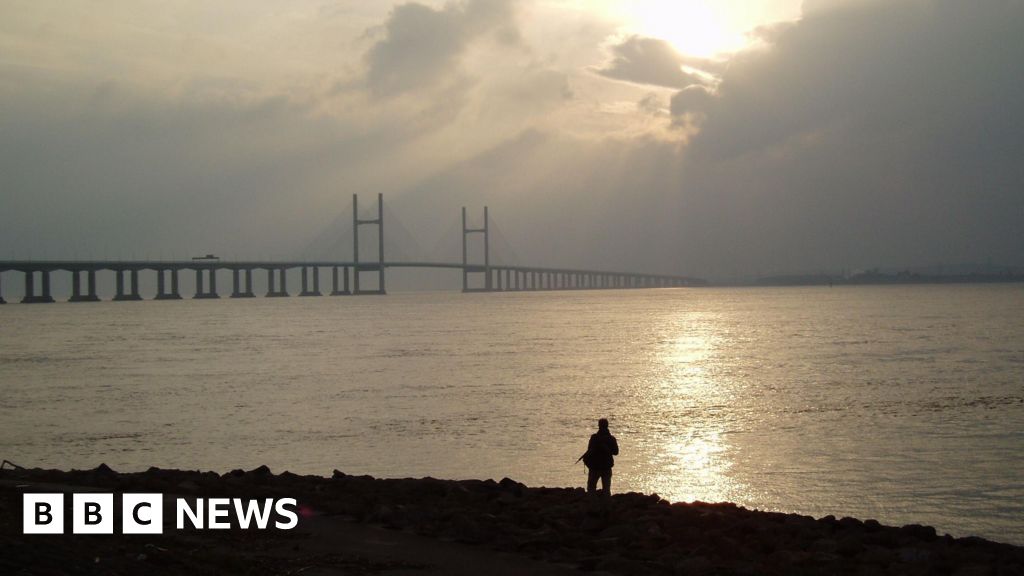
(901, 403)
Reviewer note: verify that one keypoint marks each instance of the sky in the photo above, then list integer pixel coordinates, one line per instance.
(713, 139)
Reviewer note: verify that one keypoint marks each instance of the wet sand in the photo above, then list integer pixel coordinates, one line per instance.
(361, 525)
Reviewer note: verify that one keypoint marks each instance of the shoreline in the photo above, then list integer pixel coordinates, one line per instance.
(431, 526)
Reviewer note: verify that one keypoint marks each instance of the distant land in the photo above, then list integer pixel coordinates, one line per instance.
(937, 274)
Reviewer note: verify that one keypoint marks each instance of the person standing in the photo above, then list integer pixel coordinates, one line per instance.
(599, 458)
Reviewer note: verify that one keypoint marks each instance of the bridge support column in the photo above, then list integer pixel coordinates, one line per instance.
(76, 287)
(134, 277)
(276, 283)
(2, 301)
(46, 287)
(236, 291)
(206, 294)
(305, 281)
(334, 282)
(161, 285)
(91, 282)
(270, 283)
(133, 286)
(30, 288)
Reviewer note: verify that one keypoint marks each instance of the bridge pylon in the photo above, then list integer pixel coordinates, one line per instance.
(466, 267)
(367, 267)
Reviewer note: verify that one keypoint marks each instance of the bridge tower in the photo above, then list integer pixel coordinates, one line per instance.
(379, 266)
(466, 268)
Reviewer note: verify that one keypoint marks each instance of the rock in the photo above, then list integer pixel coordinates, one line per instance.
(974, 570)
(926, 533)
(466, 530)
(623, 532)
(913, 555)
(826, 545)
(104, 470)
(187, 486)
(876, 555)
(849, 545)
(692, 566)
(848, 522)
(511, 486)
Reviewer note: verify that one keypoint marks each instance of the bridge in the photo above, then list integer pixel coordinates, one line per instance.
(344, 275)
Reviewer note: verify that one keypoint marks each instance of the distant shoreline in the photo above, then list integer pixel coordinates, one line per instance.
(363, 525)
(872, 279)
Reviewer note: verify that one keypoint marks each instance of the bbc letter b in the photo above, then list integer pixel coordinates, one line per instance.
(42, 514)
(92, 513)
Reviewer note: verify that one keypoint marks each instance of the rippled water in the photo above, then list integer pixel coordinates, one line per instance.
(904, 404)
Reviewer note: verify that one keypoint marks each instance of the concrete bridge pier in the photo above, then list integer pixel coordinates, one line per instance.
(236, 288)
(133, 286)
(161, 288)
(212, 291)
(76, 287)
(2, 301)
(30, 288)
(334, 282)
(305, 281)
(282, 290)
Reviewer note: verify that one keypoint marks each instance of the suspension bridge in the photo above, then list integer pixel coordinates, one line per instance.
(347, 277)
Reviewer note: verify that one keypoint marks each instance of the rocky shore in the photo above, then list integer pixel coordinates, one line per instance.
(495, 523)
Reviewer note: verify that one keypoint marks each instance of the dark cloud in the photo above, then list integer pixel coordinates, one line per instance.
(649, 61)
(691, 100)
(868, 133)
(422, 46)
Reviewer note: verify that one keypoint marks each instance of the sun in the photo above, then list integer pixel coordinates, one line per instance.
(693, 27)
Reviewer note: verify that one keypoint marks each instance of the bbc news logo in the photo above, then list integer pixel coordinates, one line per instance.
(144, 513)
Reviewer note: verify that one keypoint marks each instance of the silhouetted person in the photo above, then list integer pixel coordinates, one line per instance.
(599, 457)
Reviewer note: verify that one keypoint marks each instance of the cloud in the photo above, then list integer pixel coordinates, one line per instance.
(691, 100)
(868, 133)
(649, 61)
(422, 46)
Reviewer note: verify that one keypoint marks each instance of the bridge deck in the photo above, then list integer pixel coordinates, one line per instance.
(85, 265)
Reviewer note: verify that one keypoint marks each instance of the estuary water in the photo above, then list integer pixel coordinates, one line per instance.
(900, 403)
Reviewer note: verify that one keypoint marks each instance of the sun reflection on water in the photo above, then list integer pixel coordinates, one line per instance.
(689, 447)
